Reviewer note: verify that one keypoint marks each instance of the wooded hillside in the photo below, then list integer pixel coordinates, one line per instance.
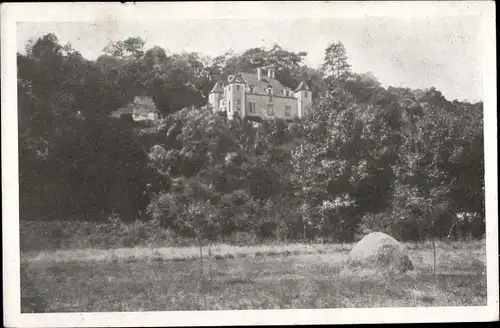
(407, 162)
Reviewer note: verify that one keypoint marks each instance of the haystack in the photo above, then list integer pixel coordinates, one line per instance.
(379, 252)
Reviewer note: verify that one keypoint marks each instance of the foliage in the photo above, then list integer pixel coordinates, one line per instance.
(407, 162)
(82, 233)
(336, 64)
(73, 159)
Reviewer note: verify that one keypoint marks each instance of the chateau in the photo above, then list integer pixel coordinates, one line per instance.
(259, 97)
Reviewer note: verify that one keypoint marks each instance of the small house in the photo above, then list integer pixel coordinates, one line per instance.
(142, 108)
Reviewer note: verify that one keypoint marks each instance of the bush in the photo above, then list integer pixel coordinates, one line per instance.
(402, 225)
(242, 238)
(115, 233)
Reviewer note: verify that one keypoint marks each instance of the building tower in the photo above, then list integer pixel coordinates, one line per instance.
(214, 97)
(304, 99)
(236, 100)
(271, 69)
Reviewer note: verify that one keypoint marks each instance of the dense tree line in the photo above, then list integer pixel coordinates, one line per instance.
(408, 162)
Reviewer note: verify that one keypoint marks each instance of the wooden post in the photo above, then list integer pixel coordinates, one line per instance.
(210, 267)
(434, 254)
(201, 260)
(304, 227)
(434, 244)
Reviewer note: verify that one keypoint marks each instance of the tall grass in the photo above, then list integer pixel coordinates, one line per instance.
(242, 282)
(113, 234)
(217, 252)
(62, 234)
(52, 235)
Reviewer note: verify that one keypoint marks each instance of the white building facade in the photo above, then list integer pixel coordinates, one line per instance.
(259, 97)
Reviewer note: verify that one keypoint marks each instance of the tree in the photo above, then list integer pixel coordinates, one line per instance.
(335, 219)
(71, 154)
(128, 49)
(405, 161)
(365, 88)
(174, 82)
(335, 63)
(155, 57)
(289, 66)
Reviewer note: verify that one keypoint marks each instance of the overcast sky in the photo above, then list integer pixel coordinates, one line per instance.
(408, 52)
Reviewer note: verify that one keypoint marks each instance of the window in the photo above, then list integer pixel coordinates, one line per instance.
(238, 87)
(238, 105)
(288, 111)
(269, 91)
(270, 109)
(252, 107)
(305, 94)
(229, 105)
(251, 89)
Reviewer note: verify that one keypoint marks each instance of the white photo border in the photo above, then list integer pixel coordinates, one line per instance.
(116, 12)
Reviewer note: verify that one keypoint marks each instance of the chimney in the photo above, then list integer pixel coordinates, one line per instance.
(259, 73)
(270, 73)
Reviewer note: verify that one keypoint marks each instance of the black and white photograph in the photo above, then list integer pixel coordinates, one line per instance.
(171, 163)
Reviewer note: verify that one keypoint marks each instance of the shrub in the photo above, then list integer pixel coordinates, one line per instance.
(242, 238)
(115, 233)
(402, 225)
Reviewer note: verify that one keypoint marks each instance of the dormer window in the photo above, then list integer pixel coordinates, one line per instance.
(269, 91)
(251, 89)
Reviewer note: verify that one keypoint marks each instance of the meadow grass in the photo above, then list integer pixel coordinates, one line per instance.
(218, 251)
(257, 277)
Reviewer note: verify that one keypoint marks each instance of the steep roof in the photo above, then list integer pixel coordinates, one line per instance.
(217, 88)
(121, 111)
(261, 85)
(142, 104)
(145, 103)
(302, 87)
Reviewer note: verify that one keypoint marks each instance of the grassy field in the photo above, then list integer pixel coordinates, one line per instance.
(260, 277)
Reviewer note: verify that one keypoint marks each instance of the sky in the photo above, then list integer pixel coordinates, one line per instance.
(415, 52)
